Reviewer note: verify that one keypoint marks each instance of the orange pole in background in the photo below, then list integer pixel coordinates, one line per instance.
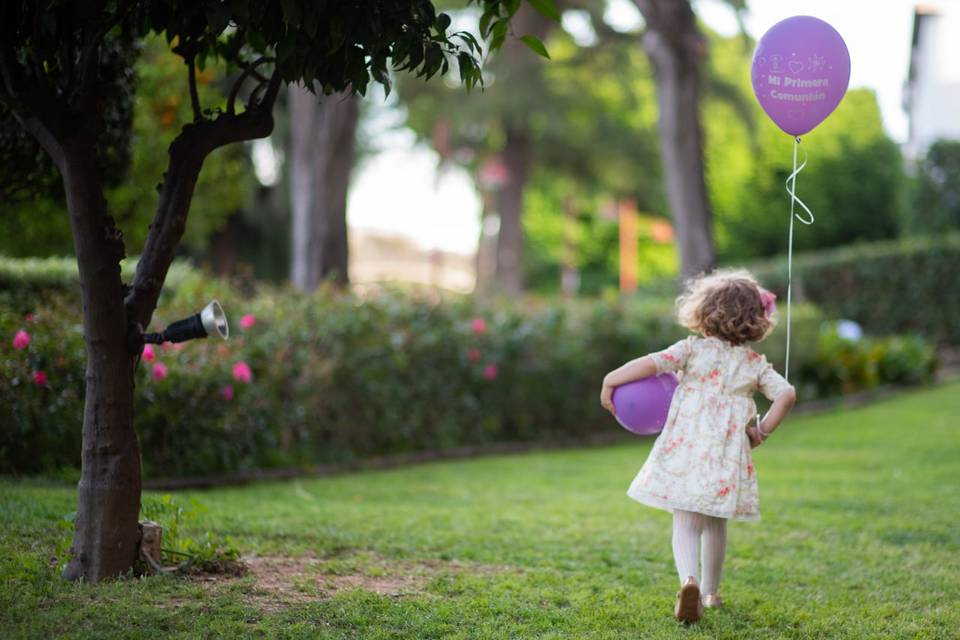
(627, 215)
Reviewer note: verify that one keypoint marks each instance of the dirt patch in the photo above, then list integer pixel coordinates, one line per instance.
(277, 582)
(297, 577)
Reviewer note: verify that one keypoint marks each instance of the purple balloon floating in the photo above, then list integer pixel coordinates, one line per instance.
(642, 405)
(800, 72)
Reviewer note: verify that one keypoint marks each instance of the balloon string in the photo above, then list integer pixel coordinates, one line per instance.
(791, 185)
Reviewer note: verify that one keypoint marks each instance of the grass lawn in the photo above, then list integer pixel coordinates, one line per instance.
(859, 539)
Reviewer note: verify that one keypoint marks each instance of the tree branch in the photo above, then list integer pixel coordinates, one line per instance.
(7, 75)
(248, 70)
(273, 88)
(194, 97)
(91, 46)
(187, 153)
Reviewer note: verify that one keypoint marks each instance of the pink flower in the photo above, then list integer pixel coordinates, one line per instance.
(478, 325)
(473, 355)
(159, 371)
(242, 373)
(148, 353)
(247, 321)
(226, 392)
(20, 340)
(40, 378)
(490, 371)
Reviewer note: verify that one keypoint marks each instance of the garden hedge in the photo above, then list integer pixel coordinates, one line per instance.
(334, 377)
(910, 285)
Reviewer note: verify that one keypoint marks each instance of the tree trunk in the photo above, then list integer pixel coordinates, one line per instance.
(516, 159)
(520, 66)
(321, 160)
(677, 49)
(106, 535)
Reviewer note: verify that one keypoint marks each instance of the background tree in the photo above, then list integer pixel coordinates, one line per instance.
(31, 193)
(30, 218)
(592, 118)
(56, 81)
(501, 125)
(321, 158)
(854, 183)
(678, 50)
(936, 192)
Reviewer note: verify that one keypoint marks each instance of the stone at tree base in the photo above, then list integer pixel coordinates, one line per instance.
(151, 535)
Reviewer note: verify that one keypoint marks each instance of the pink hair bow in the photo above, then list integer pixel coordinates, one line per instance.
(769, 301)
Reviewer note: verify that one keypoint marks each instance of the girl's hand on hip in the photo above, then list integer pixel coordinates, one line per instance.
(755, 438)
(606, 398)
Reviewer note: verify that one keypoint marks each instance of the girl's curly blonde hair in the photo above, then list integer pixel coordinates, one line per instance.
(725, 304)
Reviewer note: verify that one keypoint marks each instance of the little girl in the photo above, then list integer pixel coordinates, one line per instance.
(700, 467)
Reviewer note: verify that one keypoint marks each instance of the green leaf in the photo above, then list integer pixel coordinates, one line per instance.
(499, 34)
(536, 45)
(442, 22)
(465, 64)
(258, 42)
(546, 8)
(485, 20)
(471, 41)
(434, 60)
(218, 18)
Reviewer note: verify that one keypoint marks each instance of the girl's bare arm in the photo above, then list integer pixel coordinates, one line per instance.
(637, 369)
(778, 411)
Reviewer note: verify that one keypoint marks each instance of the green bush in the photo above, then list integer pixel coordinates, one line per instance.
(936, 192)
(25, 283)
(335, 377)
(843, 365)
(907, 286)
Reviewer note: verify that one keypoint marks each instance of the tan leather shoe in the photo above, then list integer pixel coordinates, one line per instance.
(712, 601)
(689, 607)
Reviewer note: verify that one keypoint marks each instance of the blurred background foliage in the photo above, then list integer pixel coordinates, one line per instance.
(36, 223)
(332, 376)
(591, 118)
(344, 374)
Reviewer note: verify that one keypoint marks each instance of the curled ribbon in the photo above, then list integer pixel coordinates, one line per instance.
(791, 186)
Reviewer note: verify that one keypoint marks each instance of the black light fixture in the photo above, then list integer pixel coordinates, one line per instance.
(210, 321)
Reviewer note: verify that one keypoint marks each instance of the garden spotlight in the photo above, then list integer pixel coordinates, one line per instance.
(210, 321)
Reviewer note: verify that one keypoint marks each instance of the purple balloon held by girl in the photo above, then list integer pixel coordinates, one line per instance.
(642, 406)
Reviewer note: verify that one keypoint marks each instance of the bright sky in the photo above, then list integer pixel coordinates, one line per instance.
(398, 190)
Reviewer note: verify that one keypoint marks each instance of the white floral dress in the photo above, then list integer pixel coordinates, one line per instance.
(701, 460)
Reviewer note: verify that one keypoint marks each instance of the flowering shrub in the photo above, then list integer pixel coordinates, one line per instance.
(41, 388)
(332, 377)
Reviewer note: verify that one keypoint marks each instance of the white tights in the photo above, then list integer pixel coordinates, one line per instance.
(689, 529)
